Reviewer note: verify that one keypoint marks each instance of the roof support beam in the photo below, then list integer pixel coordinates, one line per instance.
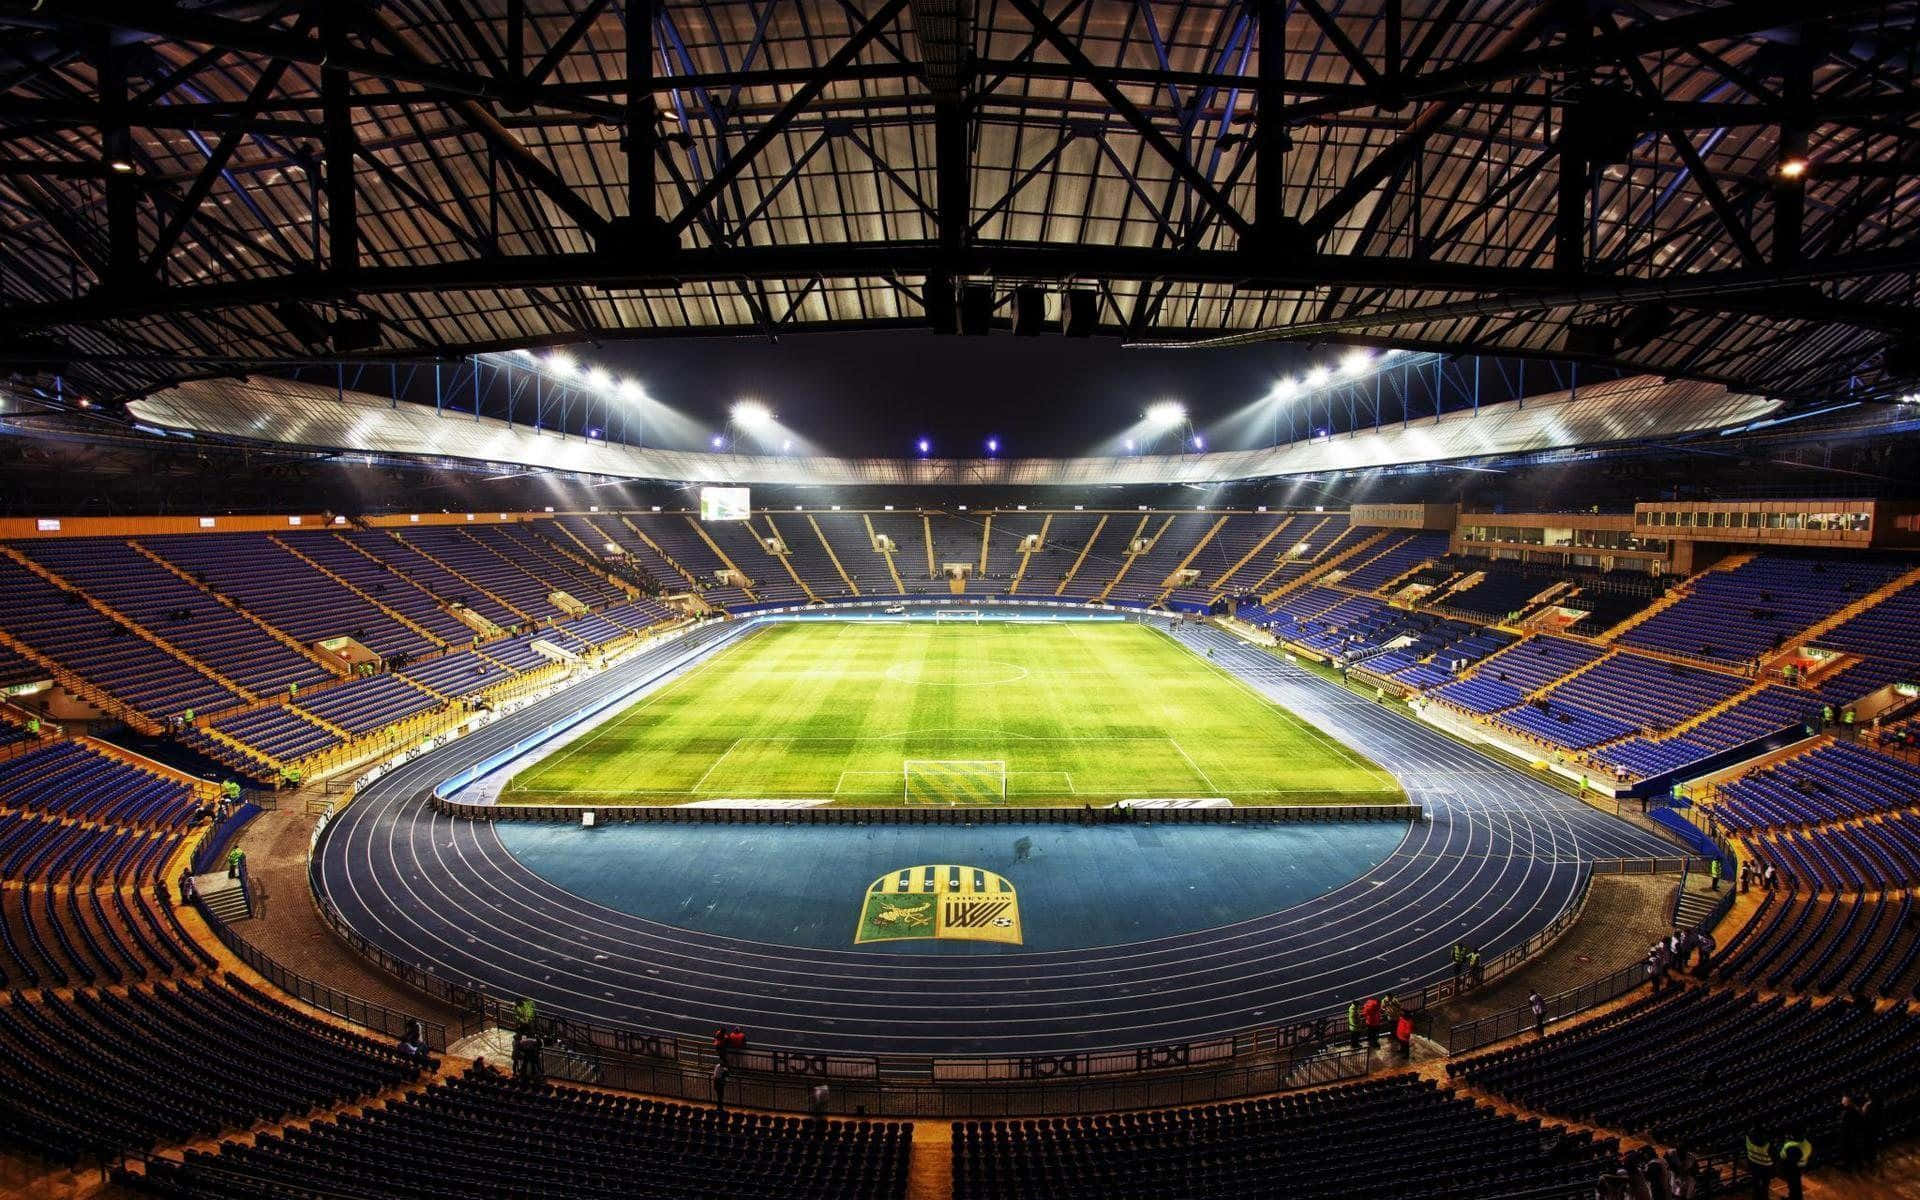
(116, 149)
(1130, 112)
(343, 217)
(829, 71)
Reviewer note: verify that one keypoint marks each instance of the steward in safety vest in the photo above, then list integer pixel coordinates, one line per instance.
(1759, 1161)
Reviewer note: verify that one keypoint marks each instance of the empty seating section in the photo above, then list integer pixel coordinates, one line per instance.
(1324, 541)
(1067, 533)
(1884, 634)
(1242, 580)
(956, 538)
(1698, 1067)
(68, 779)
(541, 554)
(1768, 711)
(1146, 576)
(676, 536)
(1396, 556)
(140, 674)
(1739, 615)
(909, 534)
(1878, 853)
(641, 550)
(1835, 781)
(273, 584)
(1626, 694)
(278, 732)
(100, 1072)
(742, 541)
(1233, 542)
(1010, 528)
(364, 705)
(1498, 593)
(499, 575)
(458, 675)
(1104, 557)
(1462, 651)
(1303, 1146)
(431, 577)
(187, 617)
(847, 533)
(1869, 945)
(484, 1135)
(1503, 681)
(385, 584)
(18, 669)
(807, 557)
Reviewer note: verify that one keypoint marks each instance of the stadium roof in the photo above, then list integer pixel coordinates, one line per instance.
(1716, 190)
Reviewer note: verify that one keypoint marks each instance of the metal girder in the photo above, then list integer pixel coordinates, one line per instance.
(739, 160)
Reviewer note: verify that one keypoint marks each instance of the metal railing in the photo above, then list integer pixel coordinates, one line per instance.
(364, 1013)
(1484, 1031)
(972, 815)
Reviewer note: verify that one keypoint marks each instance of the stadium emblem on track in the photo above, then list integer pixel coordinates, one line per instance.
(942, 901)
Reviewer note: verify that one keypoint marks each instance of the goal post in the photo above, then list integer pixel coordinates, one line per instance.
(954, 781)
(956, 614)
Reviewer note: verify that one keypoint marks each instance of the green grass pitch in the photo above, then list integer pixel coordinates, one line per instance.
(1080, 712)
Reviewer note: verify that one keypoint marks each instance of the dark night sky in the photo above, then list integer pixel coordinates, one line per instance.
(876, 393)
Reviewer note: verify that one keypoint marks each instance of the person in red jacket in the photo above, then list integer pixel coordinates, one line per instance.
(1373, 1017)
(1403, 1036)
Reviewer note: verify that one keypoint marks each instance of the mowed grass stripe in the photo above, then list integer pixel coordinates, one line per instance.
(1079, 712)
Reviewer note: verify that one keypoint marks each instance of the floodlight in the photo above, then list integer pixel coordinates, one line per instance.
(1285, 390)
(1129, 445)
(993, 445)
(1318, 377)
(751, 414)
(1355, 361)
(1166, 414)
(786, 447)
(719, 440)
(600, 378)
(120, 166)
(1199, 443)
(631, 390)
(560, 364)
(924, 445)
(1792, 167)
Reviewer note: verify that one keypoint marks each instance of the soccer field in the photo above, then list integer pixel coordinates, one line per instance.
(1077, 712)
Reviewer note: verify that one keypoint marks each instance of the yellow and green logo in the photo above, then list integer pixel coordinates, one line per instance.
(962, 903)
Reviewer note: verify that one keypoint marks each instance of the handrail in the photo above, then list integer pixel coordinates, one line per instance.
(364, 1013)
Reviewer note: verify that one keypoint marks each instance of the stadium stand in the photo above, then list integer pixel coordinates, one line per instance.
(1740, 614)
(1047, 567)
(678, 539)
(1003, 540)
(1174, 539)
(430, 575)
(1504, 681)
(1106, 554)
(1833, 781)
(482, 1134)
(69, 779)
(277, 586)
(1242, 540)
(381, 583)
(809, 556)
(1764, 711)
(1699, 1068)
(1849, 945)
(1397, 556)
(1297, 1145)
(847, 534)
(1621, 696)
(101, 1072)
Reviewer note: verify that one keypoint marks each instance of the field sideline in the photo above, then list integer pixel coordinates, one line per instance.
(1079, 713)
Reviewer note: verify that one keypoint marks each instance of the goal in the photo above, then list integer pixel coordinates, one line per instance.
(954, 781)
(956, 614)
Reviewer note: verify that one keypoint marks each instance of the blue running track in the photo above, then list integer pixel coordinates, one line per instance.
(1499, 855)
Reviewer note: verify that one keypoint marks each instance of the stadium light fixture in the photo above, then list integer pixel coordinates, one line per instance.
(1166, 414)
(600, 378)
(561, 364)
(1199, 443)
(1285, 390)
(120, 166)
(993, 445)
(1354, 362)
(1793, 168)
(786, 447)
(719, 440)
(924, 446)
(630, 390)
(1318, 377)
(1129, 445)
(751, 415)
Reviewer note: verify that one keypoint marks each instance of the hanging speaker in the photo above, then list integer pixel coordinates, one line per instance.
(1079, 313)
(1029, 310)
(976, 309)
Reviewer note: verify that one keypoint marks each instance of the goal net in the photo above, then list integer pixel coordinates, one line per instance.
(956, 614)
(954, 782)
